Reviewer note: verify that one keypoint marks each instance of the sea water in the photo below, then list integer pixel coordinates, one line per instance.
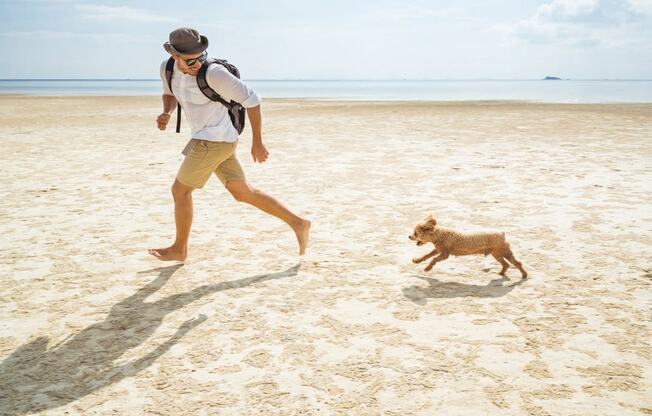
(559, 91)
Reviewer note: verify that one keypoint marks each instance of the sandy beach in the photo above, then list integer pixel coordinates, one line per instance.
(93, 325)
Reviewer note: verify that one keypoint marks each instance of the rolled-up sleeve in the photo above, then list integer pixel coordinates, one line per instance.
(230, 87)
(166, 87)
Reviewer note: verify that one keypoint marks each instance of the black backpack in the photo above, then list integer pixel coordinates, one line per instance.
(236, 110)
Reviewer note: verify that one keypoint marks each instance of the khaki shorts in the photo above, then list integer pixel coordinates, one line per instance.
(204, 157)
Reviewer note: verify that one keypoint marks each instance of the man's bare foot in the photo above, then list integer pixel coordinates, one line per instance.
(168, 254)
(303, 234)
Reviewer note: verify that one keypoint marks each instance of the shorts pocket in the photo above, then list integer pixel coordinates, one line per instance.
(199, 150)
(220, 149)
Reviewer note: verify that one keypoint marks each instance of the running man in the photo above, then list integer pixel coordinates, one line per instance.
(213, 140)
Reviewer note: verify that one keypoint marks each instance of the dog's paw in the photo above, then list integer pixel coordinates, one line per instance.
(416, 260)
(428, 268)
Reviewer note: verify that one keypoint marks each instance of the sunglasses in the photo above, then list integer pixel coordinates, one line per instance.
(191, 62)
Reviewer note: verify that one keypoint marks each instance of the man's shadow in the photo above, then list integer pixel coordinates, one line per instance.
(438, 289)
(35, 378)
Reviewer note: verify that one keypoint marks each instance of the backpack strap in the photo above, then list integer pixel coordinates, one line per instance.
(169, 69)
(237, 112)
(206, 89)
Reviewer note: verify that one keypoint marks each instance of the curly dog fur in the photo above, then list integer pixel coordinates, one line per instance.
(448, 241)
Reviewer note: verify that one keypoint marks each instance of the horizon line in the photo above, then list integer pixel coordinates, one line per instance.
(342, 79)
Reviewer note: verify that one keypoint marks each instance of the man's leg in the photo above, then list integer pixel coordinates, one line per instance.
(243, 192)
(178, 251)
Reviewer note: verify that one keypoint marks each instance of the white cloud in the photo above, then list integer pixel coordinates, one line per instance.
(412, 12)
(49, 1)
(99, 12)
(99, 37)
(641, 7)
(567, 11)
(586, 23)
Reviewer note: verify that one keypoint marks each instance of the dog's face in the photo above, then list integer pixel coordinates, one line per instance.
(424, 231)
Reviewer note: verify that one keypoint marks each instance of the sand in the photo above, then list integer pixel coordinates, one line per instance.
(93, 325)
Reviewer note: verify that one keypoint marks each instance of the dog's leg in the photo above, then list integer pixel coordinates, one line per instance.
(426, 257)
(516, 263)
(442, 256)
(502, 262)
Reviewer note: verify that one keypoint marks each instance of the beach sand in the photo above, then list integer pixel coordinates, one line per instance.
(91, 324)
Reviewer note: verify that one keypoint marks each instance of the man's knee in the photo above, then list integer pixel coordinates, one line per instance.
(241, 191)
(180, 190)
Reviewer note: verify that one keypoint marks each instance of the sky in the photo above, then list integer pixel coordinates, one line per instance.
(334, 39)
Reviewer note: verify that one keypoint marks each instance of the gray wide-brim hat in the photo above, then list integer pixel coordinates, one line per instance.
(185, 41)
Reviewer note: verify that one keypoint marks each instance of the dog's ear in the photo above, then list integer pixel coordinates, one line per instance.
(431, 220)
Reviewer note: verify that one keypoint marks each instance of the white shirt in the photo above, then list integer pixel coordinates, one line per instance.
(209, 120)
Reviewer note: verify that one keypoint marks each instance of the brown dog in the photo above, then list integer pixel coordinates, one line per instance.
(448, 241)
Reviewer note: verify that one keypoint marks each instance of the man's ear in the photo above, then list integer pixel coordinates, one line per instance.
(431, 221)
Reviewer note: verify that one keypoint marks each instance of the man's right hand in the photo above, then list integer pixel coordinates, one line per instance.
(162, 120)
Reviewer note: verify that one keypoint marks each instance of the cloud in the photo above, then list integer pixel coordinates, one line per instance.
(99, 12)
(48, 1)
(568, 11)
(586, 23)
(641, 7)
(417, 12)
(99, 37)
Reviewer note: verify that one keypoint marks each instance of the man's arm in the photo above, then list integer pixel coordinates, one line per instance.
(258, 150)
(232, 88)
(169, 104)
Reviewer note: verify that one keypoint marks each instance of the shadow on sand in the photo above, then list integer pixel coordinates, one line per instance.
(438, 289)
(35, 378)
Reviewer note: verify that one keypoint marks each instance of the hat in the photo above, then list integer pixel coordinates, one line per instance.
(186, 41)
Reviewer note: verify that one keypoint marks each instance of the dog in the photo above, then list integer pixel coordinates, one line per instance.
(448, 241)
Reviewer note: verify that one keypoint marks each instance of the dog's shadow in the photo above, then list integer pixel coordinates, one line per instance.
(37, 377)
(447, 290)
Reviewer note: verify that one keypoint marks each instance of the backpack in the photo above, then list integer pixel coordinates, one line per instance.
(236, 110)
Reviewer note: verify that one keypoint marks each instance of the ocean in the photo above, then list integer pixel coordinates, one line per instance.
(556, 91)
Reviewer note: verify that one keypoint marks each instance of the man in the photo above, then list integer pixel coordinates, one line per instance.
(213, 140)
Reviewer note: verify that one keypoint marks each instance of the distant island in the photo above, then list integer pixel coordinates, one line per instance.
(552, 79)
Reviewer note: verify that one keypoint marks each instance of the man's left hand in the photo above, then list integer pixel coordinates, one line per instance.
(259, 152)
